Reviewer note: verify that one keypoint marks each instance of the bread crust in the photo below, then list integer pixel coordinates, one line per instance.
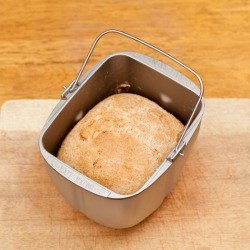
(121, 141)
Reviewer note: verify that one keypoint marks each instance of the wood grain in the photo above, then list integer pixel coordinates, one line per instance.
(42, 43)
(209, 208)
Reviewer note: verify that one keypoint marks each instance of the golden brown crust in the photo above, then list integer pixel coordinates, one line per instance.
(121, 142)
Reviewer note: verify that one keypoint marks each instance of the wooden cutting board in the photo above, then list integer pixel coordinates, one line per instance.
(209, 208)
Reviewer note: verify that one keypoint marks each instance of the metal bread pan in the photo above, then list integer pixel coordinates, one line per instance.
(147, 77)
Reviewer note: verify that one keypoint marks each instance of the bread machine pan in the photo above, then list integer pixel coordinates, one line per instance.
(147, 77)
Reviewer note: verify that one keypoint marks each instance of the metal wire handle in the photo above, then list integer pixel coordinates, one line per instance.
(74, 85)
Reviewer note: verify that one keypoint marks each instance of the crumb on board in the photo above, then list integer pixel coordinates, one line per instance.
(123, 87)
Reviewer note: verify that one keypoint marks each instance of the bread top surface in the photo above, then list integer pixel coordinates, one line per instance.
(121, 141)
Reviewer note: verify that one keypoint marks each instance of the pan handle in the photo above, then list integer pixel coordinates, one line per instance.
(75, 84)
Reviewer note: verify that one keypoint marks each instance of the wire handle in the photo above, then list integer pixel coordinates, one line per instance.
(74, 85)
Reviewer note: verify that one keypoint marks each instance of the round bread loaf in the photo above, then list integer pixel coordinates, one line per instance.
(121, 141)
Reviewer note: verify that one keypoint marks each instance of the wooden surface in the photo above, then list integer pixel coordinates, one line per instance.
(42, 43)
(209, 208)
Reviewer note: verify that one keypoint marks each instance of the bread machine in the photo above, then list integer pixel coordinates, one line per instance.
(147, 77)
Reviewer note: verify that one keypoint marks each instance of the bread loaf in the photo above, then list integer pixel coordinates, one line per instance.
(121, 141)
